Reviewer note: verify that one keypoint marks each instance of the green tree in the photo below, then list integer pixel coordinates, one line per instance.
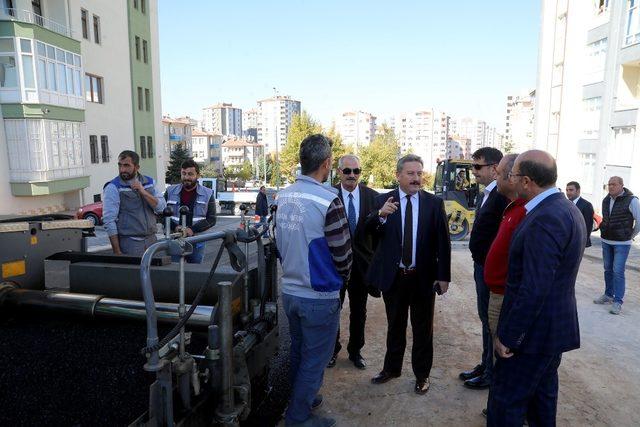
(508, 146)
(209, 171)
(178, 155)
(302, 125)
(245, 171)
(260, 166)
(379, 159)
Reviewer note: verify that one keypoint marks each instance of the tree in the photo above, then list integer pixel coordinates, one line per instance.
(260, 166)
(177, 157)
(379, 159)
(508, 146)
(210, 171)
(245, 171)
(302, 125)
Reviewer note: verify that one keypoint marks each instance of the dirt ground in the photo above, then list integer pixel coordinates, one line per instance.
(599, 383)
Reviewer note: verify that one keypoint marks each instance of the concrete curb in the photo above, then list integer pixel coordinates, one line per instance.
(597, 258)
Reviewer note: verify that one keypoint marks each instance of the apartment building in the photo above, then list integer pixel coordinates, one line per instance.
(206, 148)
(177, 131)
(424, 132)
(274, 119)
(236, 151)
(223, 119)
(357, 128)
(78, 84)
(250, 124)
(587, 97)
(519, 122)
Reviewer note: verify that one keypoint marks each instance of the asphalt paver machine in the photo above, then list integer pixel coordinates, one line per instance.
(203, 334)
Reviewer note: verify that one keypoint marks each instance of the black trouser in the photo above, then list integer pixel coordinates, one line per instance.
(406, 296)
(357, 315)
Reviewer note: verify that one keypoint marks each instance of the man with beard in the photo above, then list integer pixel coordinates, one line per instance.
(130, 206)
(201, 203)
(312, 234)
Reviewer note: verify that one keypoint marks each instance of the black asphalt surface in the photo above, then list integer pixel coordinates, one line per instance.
(61, 371)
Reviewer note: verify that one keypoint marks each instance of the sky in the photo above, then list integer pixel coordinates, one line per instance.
(463, 57)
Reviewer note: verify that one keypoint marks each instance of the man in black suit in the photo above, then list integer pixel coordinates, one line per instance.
(586, 208)
(489, 209)
(412, 263)
(359, 202)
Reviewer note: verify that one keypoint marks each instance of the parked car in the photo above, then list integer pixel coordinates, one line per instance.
(92, 212)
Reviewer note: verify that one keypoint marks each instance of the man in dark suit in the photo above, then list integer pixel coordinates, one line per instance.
(586, 208)
(489, 209)
(539, 318)
(262, 206)
(412, 263)
(359, 202)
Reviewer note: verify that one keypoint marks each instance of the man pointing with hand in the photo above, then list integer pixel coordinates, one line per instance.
(411, 264)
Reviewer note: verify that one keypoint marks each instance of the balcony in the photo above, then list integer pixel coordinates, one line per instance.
(176, 138)
(29, 17)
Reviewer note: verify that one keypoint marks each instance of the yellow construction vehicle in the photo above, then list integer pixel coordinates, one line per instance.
(456, 185)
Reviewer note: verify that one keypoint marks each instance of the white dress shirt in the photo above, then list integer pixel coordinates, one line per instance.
(575, 201)
(487, 190)
(356, 200)
(415, 207)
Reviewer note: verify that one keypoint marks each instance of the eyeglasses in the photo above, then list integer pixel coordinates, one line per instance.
(479, 166)
(511, 174)
(347, 171)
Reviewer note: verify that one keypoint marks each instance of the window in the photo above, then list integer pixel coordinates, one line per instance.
(633, 23)
(138, 48)
(97, 198)
(140, 98)
(96, 29)
(37, 8)
(135, 4)
(591, 108)
(58, 70)
(143, 6)
(93, 88)
(143, 147)
(85, 24)
(145, 54)
(147, 99)
(93, 148)
(104, 147)
(150, 147)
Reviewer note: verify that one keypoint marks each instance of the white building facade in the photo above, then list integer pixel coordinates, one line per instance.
(357, 128)
(588, 94)
(519, 123)
(206, 148)
(224, 119)
(274, 119)
(74, 92)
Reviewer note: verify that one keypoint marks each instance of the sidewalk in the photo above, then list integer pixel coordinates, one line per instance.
(595, 253)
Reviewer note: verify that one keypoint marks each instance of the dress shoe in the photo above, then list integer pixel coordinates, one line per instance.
(358, 361)
(478, 383)
(317, 402)
(383, 377)
(475, 372)
(332, 361)
(422, 386)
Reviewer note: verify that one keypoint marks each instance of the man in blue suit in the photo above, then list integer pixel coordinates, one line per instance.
(539, 319)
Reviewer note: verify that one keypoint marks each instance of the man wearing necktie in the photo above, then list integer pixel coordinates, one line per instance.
(412, 263)
(359, 201)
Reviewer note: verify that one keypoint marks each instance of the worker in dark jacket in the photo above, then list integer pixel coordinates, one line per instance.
(262, 206)
(201, 203)
(620, 225)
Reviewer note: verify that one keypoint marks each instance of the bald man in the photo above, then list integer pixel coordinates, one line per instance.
(620, 224)
(539, 319)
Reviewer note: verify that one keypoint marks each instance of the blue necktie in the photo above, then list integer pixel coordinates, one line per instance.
(351, 215)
